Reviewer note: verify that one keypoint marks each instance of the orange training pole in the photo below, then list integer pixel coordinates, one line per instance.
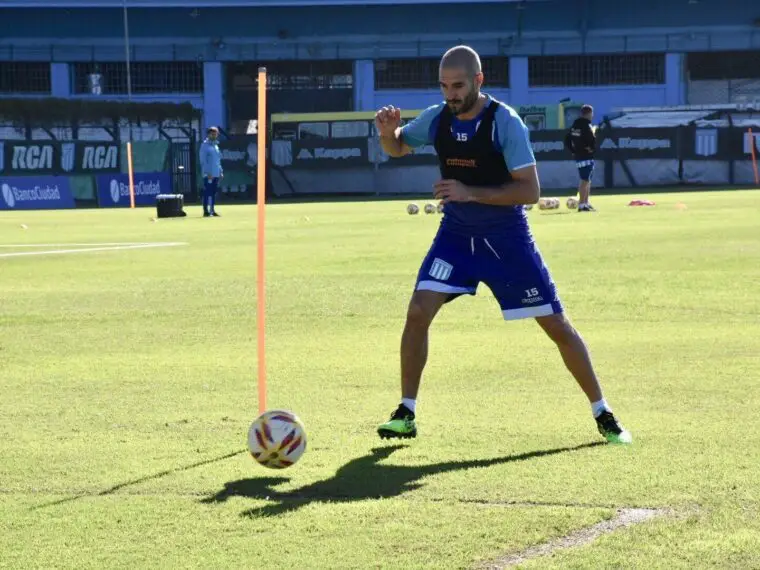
(131, 176)
(261, 130)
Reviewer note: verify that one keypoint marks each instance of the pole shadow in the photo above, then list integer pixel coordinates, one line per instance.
(151, 477)
(360, 479)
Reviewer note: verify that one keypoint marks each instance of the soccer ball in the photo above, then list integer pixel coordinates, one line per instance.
(548, 203)
(429, 208)
(440, 208)
(572, 203)
(277, 439)
(412, 209)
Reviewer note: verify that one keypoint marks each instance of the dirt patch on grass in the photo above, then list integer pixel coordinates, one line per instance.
(581, 537)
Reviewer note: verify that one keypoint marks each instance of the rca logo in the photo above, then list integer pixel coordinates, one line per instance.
(32, 157)
(100, 158)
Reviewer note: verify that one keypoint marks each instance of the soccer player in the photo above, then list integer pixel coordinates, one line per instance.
(488, 172)
(211, 168)
(581, 141)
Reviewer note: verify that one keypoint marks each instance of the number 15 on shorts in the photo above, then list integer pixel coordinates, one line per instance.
(531, 292)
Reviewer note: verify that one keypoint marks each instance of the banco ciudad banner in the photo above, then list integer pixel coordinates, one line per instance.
(113, 190)
(35, 193)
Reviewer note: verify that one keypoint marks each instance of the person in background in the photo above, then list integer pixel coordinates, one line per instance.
(581, 141)
(211, 168)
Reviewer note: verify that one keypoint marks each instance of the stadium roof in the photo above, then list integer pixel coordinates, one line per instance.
(220, 3)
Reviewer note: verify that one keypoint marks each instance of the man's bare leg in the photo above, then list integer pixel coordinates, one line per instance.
(578, 361)
(423, 307)
(574, 353)
(584, 191)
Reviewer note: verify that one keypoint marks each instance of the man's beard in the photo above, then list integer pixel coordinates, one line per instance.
(462, 106)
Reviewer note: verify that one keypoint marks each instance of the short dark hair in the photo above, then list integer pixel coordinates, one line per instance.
(587, 109)
(212, 130)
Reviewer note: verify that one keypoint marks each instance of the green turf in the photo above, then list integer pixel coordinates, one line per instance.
(128, 382)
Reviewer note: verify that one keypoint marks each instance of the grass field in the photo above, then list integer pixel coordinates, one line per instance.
(128, 382)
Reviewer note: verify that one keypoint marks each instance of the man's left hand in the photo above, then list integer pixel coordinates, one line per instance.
(451, 191)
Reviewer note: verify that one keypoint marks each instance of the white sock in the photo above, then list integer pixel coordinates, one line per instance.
(598, 407)
(410, 404)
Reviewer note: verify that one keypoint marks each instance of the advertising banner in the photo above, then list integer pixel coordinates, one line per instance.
(331, 153)
(637, 143)
(113, 190)
(35, 158)
(35, 193)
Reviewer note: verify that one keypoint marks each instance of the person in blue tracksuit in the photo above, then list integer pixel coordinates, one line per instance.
(211, 168)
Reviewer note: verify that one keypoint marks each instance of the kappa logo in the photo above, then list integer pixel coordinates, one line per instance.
(706, 142)
(233, 155)
(425, 149)
(331, 153)
(440, 270)
(635, 144)
(547, 146)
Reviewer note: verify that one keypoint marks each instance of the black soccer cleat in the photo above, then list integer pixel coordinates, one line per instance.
(609, 426)
(401, 425)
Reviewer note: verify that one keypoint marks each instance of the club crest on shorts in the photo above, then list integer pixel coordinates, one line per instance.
(440, 269)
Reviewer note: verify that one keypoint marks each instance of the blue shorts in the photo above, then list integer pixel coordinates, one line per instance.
(511, 268)
(585, 169)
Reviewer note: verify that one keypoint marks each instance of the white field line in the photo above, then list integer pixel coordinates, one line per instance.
(623, 518)
(74, 244)
(91, 249)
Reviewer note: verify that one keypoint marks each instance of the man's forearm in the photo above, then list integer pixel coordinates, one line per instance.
(393, 145)
(514, 193)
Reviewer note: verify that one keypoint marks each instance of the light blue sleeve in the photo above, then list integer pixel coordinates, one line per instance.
(514, 138)
(216, 154)
(418, 132)
(204, 159)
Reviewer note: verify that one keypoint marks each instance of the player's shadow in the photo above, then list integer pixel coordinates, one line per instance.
(360, 479)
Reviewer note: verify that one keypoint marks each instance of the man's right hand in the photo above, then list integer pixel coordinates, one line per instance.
(387, 120)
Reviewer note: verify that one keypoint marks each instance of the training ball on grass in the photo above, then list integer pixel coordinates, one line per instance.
(572, 203)
(412, 209)
(277, 439)
(429, 208)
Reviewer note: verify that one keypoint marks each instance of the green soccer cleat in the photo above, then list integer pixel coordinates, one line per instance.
(400, 425)
(610, 428)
